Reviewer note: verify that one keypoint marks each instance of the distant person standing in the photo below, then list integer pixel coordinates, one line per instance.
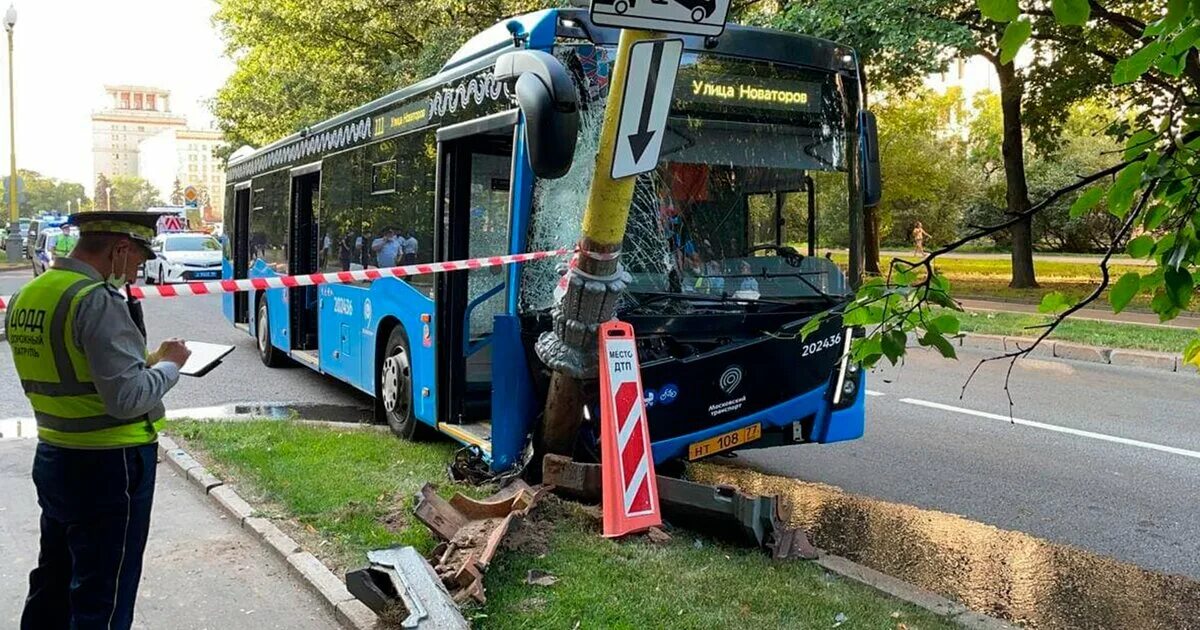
(918, 236)
(409, 248)
(386, 248)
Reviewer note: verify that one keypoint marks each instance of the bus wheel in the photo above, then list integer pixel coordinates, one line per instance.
(697, 14)
(621, 6)
(270, 355)
(395, 387)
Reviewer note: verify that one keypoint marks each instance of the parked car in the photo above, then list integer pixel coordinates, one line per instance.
(183, 257)
(43, 250)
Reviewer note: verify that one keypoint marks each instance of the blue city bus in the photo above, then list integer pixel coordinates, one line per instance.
(765, 128)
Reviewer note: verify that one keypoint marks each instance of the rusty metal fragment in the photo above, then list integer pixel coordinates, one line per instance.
(471, 531)
(722, 511)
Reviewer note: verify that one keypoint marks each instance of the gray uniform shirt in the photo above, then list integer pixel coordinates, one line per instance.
(116, 351)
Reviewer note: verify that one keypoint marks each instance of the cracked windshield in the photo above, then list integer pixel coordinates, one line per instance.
(752, 156)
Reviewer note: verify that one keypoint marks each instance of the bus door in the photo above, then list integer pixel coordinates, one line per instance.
(304, 249)
(240, 240)
(474, 174)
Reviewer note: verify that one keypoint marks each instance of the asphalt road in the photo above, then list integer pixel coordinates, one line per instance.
(1102, 457)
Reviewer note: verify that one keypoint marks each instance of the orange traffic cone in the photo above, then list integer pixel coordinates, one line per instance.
(630, 491)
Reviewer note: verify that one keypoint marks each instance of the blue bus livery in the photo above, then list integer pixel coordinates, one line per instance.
(765, 128)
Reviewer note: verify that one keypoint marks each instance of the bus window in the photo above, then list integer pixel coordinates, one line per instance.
(340, 213)
(269, 221)
(489, 235)
(397, 223)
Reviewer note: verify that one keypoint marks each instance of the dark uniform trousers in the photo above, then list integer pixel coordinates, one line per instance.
(95, 518)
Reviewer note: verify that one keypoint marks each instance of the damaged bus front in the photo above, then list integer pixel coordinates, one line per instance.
(759, 154)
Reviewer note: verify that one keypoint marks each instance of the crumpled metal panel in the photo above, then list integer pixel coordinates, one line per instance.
(399, 580)
(722, 511)
(471, 531)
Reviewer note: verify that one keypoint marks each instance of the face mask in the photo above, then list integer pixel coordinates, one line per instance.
(118, 281)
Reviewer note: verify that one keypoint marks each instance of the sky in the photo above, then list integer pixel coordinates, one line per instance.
(67, 50)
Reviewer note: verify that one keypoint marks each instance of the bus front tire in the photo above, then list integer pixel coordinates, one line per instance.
(270, 355)
(395, 390)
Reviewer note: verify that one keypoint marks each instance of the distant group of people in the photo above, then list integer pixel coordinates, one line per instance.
(390, 249)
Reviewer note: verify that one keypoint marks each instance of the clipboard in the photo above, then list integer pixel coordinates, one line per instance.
(205, 357)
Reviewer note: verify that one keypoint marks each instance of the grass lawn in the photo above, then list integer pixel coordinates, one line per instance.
(351, 491)
(1093, 333)
(986, 278)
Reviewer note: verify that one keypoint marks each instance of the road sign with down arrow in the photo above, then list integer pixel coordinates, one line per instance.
(649, 86)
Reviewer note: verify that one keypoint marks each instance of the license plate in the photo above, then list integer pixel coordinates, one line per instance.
(204, 274)
(725, 441)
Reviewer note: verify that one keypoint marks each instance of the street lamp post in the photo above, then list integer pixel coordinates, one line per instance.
(14, 233)
(108, 204)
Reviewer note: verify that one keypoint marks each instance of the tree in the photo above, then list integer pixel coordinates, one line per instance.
(365, 49)
(897, 49)
(926, 174)
(101, 190)
(177, 193)
(1152, 187)
(131, 193)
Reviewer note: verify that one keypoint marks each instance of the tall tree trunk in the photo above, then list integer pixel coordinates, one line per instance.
(871, 238)
(1017, 190)
(870, 214)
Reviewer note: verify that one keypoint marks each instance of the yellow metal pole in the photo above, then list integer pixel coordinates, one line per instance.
(607, 211)
(572, 347)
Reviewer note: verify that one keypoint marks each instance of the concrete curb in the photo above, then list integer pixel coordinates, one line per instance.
(914, 595)
(1075, 352)
(350, 612)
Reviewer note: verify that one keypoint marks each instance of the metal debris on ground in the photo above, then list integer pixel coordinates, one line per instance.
(400, 586)
(471, 531)
(723, 511)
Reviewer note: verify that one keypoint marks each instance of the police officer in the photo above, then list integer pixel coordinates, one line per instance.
(97, 397)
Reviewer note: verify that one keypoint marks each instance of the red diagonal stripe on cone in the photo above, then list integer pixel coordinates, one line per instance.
(634, 451)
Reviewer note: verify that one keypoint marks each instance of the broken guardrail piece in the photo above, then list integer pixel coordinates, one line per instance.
(400, 581)
(472, 531)
(723, 511)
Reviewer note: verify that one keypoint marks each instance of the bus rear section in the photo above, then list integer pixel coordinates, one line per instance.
(760, 156)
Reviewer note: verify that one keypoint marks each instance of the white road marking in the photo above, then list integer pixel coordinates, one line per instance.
(871, 392)
(1053, 427)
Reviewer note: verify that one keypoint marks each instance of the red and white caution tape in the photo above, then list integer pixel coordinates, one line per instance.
(337, 277)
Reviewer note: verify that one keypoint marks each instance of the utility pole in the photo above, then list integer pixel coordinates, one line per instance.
(570, 349)
(14, 233)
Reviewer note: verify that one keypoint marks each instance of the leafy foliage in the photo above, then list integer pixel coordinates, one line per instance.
(1153, 188)
(39, 193)
(133, 193)
(301, 62)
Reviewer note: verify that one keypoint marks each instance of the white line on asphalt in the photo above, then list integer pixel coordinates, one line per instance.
(1053, 427)
(871, 392)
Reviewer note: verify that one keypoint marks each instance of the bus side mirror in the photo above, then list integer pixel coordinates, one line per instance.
(872, 175)
(548, 101)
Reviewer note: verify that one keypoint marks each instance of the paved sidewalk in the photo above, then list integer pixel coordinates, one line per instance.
(202, 572)
(1099, 314)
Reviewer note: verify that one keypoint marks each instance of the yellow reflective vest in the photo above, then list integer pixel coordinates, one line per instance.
(54, 371)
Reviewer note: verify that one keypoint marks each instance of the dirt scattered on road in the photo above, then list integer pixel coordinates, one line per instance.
(1002, 573)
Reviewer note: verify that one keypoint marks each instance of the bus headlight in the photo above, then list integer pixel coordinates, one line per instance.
(850, 388)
